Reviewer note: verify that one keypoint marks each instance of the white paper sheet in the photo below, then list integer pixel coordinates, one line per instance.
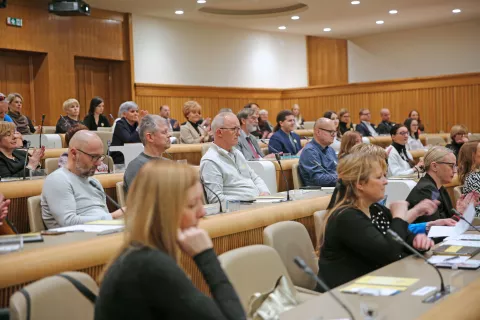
(87, 228)
(458, 229)
(472, 237)
(464, 243)
(451, 259)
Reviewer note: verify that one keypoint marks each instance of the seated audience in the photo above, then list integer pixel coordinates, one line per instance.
(23, 123)
(413, 142)
(257, 133)
(345, 122)
(95, 117)
(173, 124)
(440, 167)
(400, 160)
(355, 240)
(252, 105)
(72, 109)
(4, 109)
(194, 131)
(386, 125)
(154, 134)
(298, 117)
(224, 170)
(366, 128)
(468, 170)
(459, 135)
(318, 162)
(68, 198)
(284, 139)
(349, 139)
(63, 159)
(126, 129)
(225, 110)
(145, 280)
(338, 137)
(247, 143)
(263, 125)
(416, 116)
(12, 160)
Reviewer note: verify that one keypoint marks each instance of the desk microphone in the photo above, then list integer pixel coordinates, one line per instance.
(443, 290)
(115, 203)
(111, 117)
(305, 268)
(460, 216)
(41, 129)
(269, 146)
(108, 154)
(26, 160)
(216, 195)
(277, 157)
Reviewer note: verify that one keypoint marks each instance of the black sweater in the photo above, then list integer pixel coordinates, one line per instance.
(354, 246)
(123, 133)
(89, 121)
(13, 168)
(145, 283)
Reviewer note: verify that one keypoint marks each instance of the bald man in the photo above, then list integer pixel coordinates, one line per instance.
(318, 162)
(385, 126)
(68, 198)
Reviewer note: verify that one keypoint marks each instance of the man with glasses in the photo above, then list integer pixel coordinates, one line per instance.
(155, 136)
(386, 125)
(318, 161)
(68, 198)
(223, 169)
(366, 128)
(247, 143)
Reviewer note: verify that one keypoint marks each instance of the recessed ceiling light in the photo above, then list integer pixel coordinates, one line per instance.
(355, 2)
(393, 11)
(179, 12)
(201, 1)
(327, 29)
(295, 17)
(380, 22)
(456, 10)
(282, 27)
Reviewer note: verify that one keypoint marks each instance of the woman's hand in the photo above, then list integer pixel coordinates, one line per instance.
(425, 207)
(422, 242)
(193, 241)
(3, 208)
(142, 114)
(399, 209)
(35, 158)
(442, 222)
(38, 129)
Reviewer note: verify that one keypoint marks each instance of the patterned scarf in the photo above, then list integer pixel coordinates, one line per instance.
(21, 121)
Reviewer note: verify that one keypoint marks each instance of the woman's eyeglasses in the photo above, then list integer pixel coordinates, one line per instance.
(450, 164)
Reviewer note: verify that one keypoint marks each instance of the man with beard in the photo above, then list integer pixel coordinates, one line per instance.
(247, 143)
(68, 198)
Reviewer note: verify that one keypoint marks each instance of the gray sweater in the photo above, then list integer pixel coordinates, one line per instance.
(68, 200)
(134, 166)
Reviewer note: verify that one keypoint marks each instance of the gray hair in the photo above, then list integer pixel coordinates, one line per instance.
(263, 111)
(150, 124)
(225, 110)
(245, 113)
(125, 107)
(219, 120)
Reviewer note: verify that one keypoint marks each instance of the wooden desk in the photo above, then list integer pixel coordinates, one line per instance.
(228, 231)
(417, 154)
(287, 169)
(19, 191)
(382, 141)
(191, 152)
(54, 153)
(304, 132)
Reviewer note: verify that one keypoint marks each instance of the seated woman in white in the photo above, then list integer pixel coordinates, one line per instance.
(400, 161)
(413, 142)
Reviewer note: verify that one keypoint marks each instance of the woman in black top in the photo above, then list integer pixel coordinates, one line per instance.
(145, 280)
(23, 123)
(95, 117)
(355, 238)
(459, 135)
(345, 123)
(415, 115)
(72, 109)
(12, 160)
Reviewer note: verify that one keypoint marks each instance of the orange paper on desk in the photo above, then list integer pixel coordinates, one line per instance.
(386, 281)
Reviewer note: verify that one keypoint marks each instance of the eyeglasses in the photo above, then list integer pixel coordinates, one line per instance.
(332, 132)
(450, 164)
(365, 114)
(236, 129)
(95, 157)
(405, 133)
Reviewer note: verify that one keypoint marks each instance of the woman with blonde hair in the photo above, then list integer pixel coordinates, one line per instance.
(355, 240)
(345, 123)
(469, 171)
(72, 109)
(299, 121)
(193, 131)
(349, 140)
(145, 280)
(23, 123)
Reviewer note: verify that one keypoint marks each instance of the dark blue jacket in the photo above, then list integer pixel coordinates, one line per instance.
(280, 142)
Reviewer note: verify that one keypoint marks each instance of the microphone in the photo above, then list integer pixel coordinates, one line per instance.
(277, 157)
(115, 203)
(108, 153)
(269, 146)
(41, 129)
(216, 195)
(111, 117)
(444, 290)
(305, 268)
(25, 162)
(459, 215)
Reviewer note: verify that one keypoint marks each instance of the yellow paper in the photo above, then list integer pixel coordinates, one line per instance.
(117, 222)
(387, 281)
(453, 249)
(369, 286)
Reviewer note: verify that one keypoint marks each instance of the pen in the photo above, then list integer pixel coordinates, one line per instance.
(107, 232)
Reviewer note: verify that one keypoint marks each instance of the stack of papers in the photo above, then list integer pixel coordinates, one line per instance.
(460, 228)
(87, 228)
(379, 286)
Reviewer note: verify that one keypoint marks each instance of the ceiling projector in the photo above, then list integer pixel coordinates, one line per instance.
(69, 8)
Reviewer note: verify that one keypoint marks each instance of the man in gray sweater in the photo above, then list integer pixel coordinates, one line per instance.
(68, 198)
(155, 136)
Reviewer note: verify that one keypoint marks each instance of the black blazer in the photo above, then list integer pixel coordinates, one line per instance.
(344, 127)
(354, 246)
(362, 128)
(89, 121)
(427, 189)
(13, 168)
(124, 133)
(384, 127)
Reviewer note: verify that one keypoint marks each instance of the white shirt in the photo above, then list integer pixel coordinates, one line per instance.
(229, 176)
(414, 144)
(370, 128)
(396, 165)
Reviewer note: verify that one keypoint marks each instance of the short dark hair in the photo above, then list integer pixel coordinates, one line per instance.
(93, 104)
(281, 116)
(73, 129)
(407, 124)
(328, 114)
(395, 128)
(248, 106)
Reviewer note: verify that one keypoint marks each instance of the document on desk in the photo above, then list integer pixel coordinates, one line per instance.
(86, 228)
(114, 222)
(387, 281)
(460, 228)
(451, 259)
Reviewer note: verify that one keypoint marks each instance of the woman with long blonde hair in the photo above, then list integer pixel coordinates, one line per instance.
(145, 280)
(355, 240)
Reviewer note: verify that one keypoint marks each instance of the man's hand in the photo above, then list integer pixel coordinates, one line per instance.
(264, 193)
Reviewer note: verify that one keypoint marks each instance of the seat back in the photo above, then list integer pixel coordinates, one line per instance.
(120, 194)
(253, 269)
(35, 214)
(54, 298)
(176, 134)
(297, 181)
(109, 162)
(318, 217)
(291, 239)
(51, 164)
(266, 171)
(48, 129)
(205, 147)
(457, 193)
(105, 129)
(435, 141)
(398, 190)
(308, 125)
(105, 136)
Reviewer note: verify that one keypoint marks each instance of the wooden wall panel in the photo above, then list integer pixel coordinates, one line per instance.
(327, 61)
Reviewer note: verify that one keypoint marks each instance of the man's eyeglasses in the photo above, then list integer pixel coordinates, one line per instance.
(332, 132)
(450, 164)
(95, 157)
(236, 129)
(365, 114)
